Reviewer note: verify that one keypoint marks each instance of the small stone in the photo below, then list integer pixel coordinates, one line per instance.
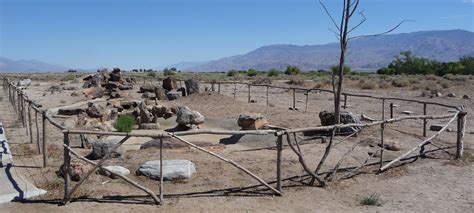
(172, 169)
(391, 145)
(74, 94)
(77, 171)
(407, 112)
(466, 97)
(70, 111)
(436, 127)
(451, 95)
(116, 169)
(173, 95)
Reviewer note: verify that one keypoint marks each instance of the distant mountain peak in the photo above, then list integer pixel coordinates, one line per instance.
(363, 53)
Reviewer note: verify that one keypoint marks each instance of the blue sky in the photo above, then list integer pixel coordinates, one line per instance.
(150, 34)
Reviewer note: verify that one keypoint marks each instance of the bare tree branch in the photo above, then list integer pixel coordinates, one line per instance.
(356, 2)
(379, 34)
(360, 23)
(329, 14)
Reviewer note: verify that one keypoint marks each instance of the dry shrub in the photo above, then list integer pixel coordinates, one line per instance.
(296, 81)
(400, 83)
(262, 81)
(383, 85)
(445, 85)
(368, 85)
(431, 77)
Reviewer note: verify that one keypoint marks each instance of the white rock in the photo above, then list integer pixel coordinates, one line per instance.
(172, 169)
(116, 169)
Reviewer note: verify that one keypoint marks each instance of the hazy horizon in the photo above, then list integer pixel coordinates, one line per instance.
(152, 34)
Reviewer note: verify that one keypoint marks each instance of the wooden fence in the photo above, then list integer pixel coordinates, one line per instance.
(22, 105)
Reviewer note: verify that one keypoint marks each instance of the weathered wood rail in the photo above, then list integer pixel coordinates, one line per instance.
(22, 105)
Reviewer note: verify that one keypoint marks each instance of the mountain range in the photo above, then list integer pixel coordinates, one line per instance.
(363, 54)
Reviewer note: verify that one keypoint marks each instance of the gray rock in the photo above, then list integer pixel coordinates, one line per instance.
(391, 145)
(145, 115)
(407, 112)
(93, 111)
(451, 95)
(116, 169)
(173, 95)
(436, 127)
(169, 83)
(328, 119)
(77, 170)
(466, 97)
(146, 95)
(192, 86)
(102, 147)
(74, 94)
(185, 116)
(159, 93)
(24, 82)
(251, 121)
(147, 88)
(172, 169)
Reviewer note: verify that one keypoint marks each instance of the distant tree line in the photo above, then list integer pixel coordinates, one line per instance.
(407, 63)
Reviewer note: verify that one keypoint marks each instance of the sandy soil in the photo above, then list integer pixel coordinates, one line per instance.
(436, 183)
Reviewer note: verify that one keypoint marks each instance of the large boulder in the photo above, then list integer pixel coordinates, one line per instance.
(147, 88)
(94, 92)
(115, 169)
(93, 111)
(172, 169)
(192, 86)
(145, 115)
(252, 121)
(24, 82)
(77, 170)
(115, 75)
(71, 111)
(169, 83)
(185, 116)
(160, 93)
(102, 147)
(328, 119)
(92, 81)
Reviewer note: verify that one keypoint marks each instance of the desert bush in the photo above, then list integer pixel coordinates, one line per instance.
(445, 85)
(383, 85)
(400, 83)
(371, 200)
(296, 81)
(70, 77)
(232, 73)
(251, 72)
(262, 81)
(125, 123)
(292, 70)
(368, 85)
(151, 74)
(273, 72)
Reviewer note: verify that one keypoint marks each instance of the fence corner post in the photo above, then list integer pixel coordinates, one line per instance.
(460, 134)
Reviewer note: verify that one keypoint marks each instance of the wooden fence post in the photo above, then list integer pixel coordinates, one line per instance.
(460, 134)
(294, 98)
(45, 144)
(307, 99)
(235, 89)
(30, 123)
(279, 144)
(345, 101)
(382, 127)
(161, 171)
(219, 88)
(66, 169)
(425, 122)
(267, 95)
(38, 145)
(391, 110)
(248, 92)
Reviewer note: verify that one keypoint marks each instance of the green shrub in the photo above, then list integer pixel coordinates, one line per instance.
(371, 200)
(273, 72)
(232, 73)
(125, 123)
(251, 72)
(292, 70)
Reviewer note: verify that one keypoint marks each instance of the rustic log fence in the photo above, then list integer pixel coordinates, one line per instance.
(22, 105)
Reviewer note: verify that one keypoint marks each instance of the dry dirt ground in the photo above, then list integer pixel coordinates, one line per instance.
(435, 184)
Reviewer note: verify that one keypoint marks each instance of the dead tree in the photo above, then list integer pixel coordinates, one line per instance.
(342, 32)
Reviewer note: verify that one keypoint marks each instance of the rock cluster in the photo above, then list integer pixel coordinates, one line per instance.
(104, 83)
(328, 119)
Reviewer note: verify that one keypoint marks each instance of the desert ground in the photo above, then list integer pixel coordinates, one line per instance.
(437, 183)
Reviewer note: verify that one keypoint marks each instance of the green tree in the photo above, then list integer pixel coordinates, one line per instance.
(335, 70)
(251, 72)
(292, 70)
(273, 72)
